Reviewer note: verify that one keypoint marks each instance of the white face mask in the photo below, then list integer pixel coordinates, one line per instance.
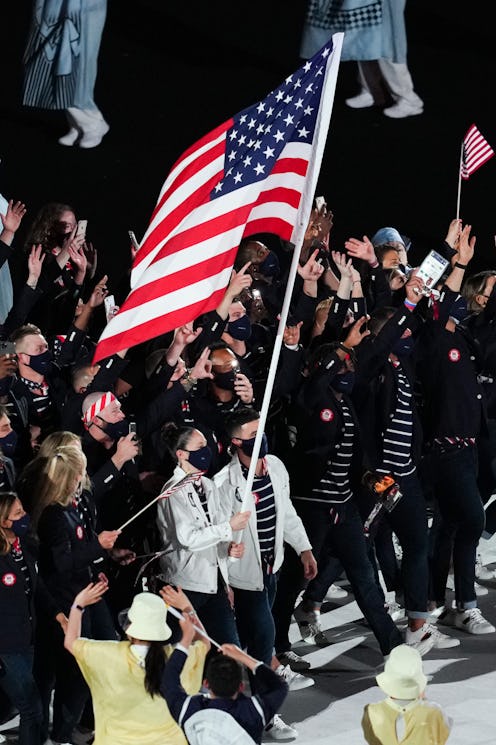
(139, 651)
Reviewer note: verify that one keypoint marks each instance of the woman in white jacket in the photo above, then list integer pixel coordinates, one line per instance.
(196, 530)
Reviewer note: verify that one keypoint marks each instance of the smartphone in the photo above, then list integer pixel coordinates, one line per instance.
(432, 268)
(132, 428)
(320, 203)
(134, 240)
(7, 347)
(110, 307)
(81, 229)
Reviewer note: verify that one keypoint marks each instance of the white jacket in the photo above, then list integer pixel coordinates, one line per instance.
(247, 573)
(196, 548)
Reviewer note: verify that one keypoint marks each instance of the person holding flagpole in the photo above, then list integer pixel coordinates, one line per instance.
(273, 522)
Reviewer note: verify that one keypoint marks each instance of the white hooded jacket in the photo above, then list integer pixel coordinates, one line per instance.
(246, 573)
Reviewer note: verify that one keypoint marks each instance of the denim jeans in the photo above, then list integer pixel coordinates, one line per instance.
(346, 541)
(454, 477)
(254, 619)
(216, 614)
(17, 680)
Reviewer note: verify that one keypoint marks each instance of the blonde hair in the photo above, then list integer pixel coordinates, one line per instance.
(58, 475)
(7, 499)
(57, 440)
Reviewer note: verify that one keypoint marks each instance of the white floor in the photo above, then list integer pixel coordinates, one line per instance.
(462, 679)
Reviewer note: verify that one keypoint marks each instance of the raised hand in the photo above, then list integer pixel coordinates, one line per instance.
(35, 264)
(91, 594)
(203, 366)
(176, 598)
(243, 388)
(239, 281)
(466, 245)
(78, 258)
(357, 332)
(343, 264)
(185, 335)
(361, 249)
(100, 292)
(453, 234)
(312, 269)
(12, 218)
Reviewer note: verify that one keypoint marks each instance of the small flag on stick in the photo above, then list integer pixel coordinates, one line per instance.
(476, 151)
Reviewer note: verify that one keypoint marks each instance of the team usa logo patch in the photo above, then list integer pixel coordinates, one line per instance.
(256, 497)
(326, 415)
(454, 355)
(79, 532)
(9, 579)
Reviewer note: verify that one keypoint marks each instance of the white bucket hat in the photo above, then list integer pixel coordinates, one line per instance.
(147, 616)
(403, 676)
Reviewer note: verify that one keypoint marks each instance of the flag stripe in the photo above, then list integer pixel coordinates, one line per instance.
(476, 152)
(251, 174)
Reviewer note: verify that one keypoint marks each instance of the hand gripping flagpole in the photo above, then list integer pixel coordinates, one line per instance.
(301, 223)
(179, 615)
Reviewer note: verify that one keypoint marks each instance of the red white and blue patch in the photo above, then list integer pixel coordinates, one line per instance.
(454, 355)
(79, 533)
(9, 579)
(326, 415)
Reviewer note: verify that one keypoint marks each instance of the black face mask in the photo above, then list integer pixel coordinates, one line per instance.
(40, 363)
(270, 266)
(240, 329)
(344, 383)
(21, 527)
(247, 446)
(8, 444)
(201, 458)
(115, 430)
(403, 347)
(226, 380)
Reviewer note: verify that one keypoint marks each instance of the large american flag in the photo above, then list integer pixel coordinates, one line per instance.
(476, 151)
(246, 176)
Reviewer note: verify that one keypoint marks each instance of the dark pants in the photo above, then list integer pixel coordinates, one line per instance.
(346, 542)
(254, 619)
(454, 478)
(216, 614)
(16, 679)
(55, 669)
(408, 520)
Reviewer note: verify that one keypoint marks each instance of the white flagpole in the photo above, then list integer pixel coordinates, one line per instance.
(304, 211)
(459, 183)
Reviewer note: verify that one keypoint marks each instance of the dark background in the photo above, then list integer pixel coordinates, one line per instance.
(169, 73)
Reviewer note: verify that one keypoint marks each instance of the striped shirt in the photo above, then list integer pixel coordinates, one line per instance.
(397, 442)
(334, 486)
(263, 496)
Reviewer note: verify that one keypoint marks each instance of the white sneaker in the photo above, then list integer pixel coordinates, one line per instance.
(402, 109)
(482, 572)
(472, 621)
(277, 729)
(441, 641)
(309, 625)
(422, 640)
(395, 610)
(295, 681)
(335, 592)
(480, 590)
(361, 101)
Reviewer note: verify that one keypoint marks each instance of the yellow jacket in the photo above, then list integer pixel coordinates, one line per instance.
(425, 723)
(125, 714)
